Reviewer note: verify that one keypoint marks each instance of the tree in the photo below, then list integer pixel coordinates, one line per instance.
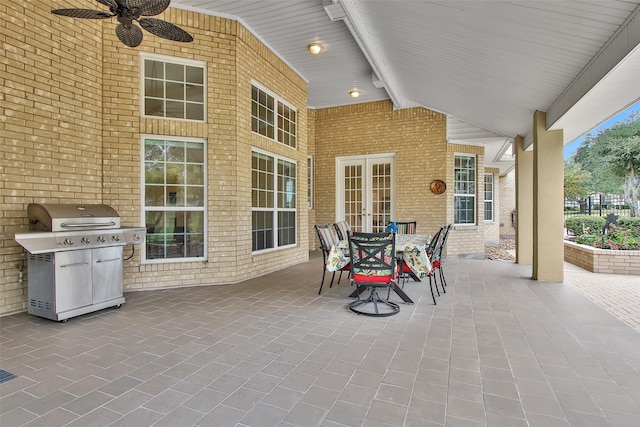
(601, 178)
(576, 184)
(613, 159)
(625, 154)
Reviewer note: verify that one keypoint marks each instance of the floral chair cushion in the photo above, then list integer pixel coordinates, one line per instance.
(416, 258)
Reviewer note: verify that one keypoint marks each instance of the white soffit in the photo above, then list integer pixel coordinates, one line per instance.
(607, 86)
(497, 149)
(616, 92)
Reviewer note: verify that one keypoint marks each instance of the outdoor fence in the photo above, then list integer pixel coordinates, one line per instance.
(597, 204)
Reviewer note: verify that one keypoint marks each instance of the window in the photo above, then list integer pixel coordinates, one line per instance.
(273, 201)
(310, 182)
(174, 198)
(174, 88)
(263, 117)
(488, 197)
(286, 125)
(262, 112)
(464, 189)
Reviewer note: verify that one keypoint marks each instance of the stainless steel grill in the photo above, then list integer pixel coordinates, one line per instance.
(75, 258)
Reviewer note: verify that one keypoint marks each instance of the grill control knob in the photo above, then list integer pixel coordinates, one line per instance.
(101, 239)
(85, 240)
(68, 241)
(115, 238)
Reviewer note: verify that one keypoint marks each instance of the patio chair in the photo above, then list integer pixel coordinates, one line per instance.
(342, 230)
(433, 249)
(373, 266)
(327, 238)
(436, 261)
(407, 227)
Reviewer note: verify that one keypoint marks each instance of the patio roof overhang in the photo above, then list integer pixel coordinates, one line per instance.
(487, 65)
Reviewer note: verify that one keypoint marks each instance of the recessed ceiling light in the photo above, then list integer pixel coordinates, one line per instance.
(315, 48)
(354, 93)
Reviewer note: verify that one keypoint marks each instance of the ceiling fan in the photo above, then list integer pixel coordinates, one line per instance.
(128, 11)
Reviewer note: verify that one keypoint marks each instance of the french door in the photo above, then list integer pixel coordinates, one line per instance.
(365, 195)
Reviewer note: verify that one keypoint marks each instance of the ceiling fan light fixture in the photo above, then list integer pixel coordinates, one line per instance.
(315, 48)
(354, 93)
(128, 11)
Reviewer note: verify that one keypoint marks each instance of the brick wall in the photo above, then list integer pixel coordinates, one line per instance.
(71, 128)
(466, 239)
(416, 136)
(258, 62)
(234, 56)
(507, 203)
(71, 131)
(602, 260)
(51, 112)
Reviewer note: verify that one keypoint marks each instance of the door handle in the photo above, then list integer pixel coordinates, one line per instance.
(75, 264)
(107, 260)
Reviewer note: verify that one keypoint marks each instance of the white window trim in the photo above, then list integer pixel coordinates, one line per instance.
(277, 99)
(275, 208)
(474, 195)
(493, 197)
(143, 210)
(173, 60)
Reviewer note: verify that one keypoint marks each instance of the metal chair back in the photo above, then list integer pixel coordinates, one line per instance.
(373, 265)
(342, 230)
(407, 227)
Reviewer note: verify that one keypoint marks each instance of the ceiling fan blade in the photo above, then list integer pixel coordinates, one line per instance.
(148, 7)
(165, 30)
(131, 36)
(111, 4)
(83, 13)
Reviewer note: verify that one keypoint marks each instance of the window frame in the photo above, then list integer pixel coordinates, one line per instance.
(144, 56)
(275, 209)
(490, 200)
(457, 194)
(310, 182)
(145, 209)
(279, 131)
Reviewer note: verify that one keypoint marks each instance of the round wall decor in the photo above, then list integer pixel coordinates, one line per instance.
(438, 186)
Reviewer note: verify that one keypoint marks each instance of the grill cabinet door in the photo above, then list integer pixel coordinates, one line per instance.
(73, 280)
(107, 273)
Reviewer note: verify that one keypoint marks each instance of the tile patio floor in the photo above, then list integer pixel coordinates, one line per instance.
(497, 350)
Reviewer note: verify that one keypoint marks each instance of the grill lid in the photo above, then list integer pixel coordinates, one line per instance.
(68, 217)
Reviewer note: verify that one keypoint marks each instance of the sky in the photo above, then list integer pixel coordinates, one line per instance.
(621, 117)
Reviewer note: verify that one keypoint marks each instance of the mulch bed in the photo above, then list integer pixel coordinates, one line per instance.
(500, 252)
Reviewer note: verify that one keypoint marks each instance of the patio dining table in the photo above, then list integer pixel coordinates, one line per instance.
(411, 248)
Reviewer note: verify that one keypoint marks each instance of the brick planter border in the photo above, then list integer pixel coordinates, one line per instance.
(602, 260)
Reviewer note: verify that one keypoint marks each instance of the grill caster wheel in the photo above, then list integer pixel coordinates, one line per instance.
(117, 307)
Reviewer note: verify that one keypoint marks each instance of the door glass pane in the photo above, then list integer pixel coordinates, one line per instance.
(353, 196)
(381, 196)
(367, 199)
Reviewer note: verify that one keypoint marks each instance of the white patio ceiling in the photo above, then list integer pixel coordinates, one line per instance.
(488, 65)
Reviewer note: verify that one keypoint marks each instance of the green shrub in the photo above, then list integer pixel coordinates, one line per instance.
(589, 240)
(629, 223)
(585, 224)
(617, 238)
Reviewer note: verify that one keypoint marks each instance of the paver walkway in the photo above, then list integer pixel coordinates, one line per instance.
(616, 293)
(498, 349)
